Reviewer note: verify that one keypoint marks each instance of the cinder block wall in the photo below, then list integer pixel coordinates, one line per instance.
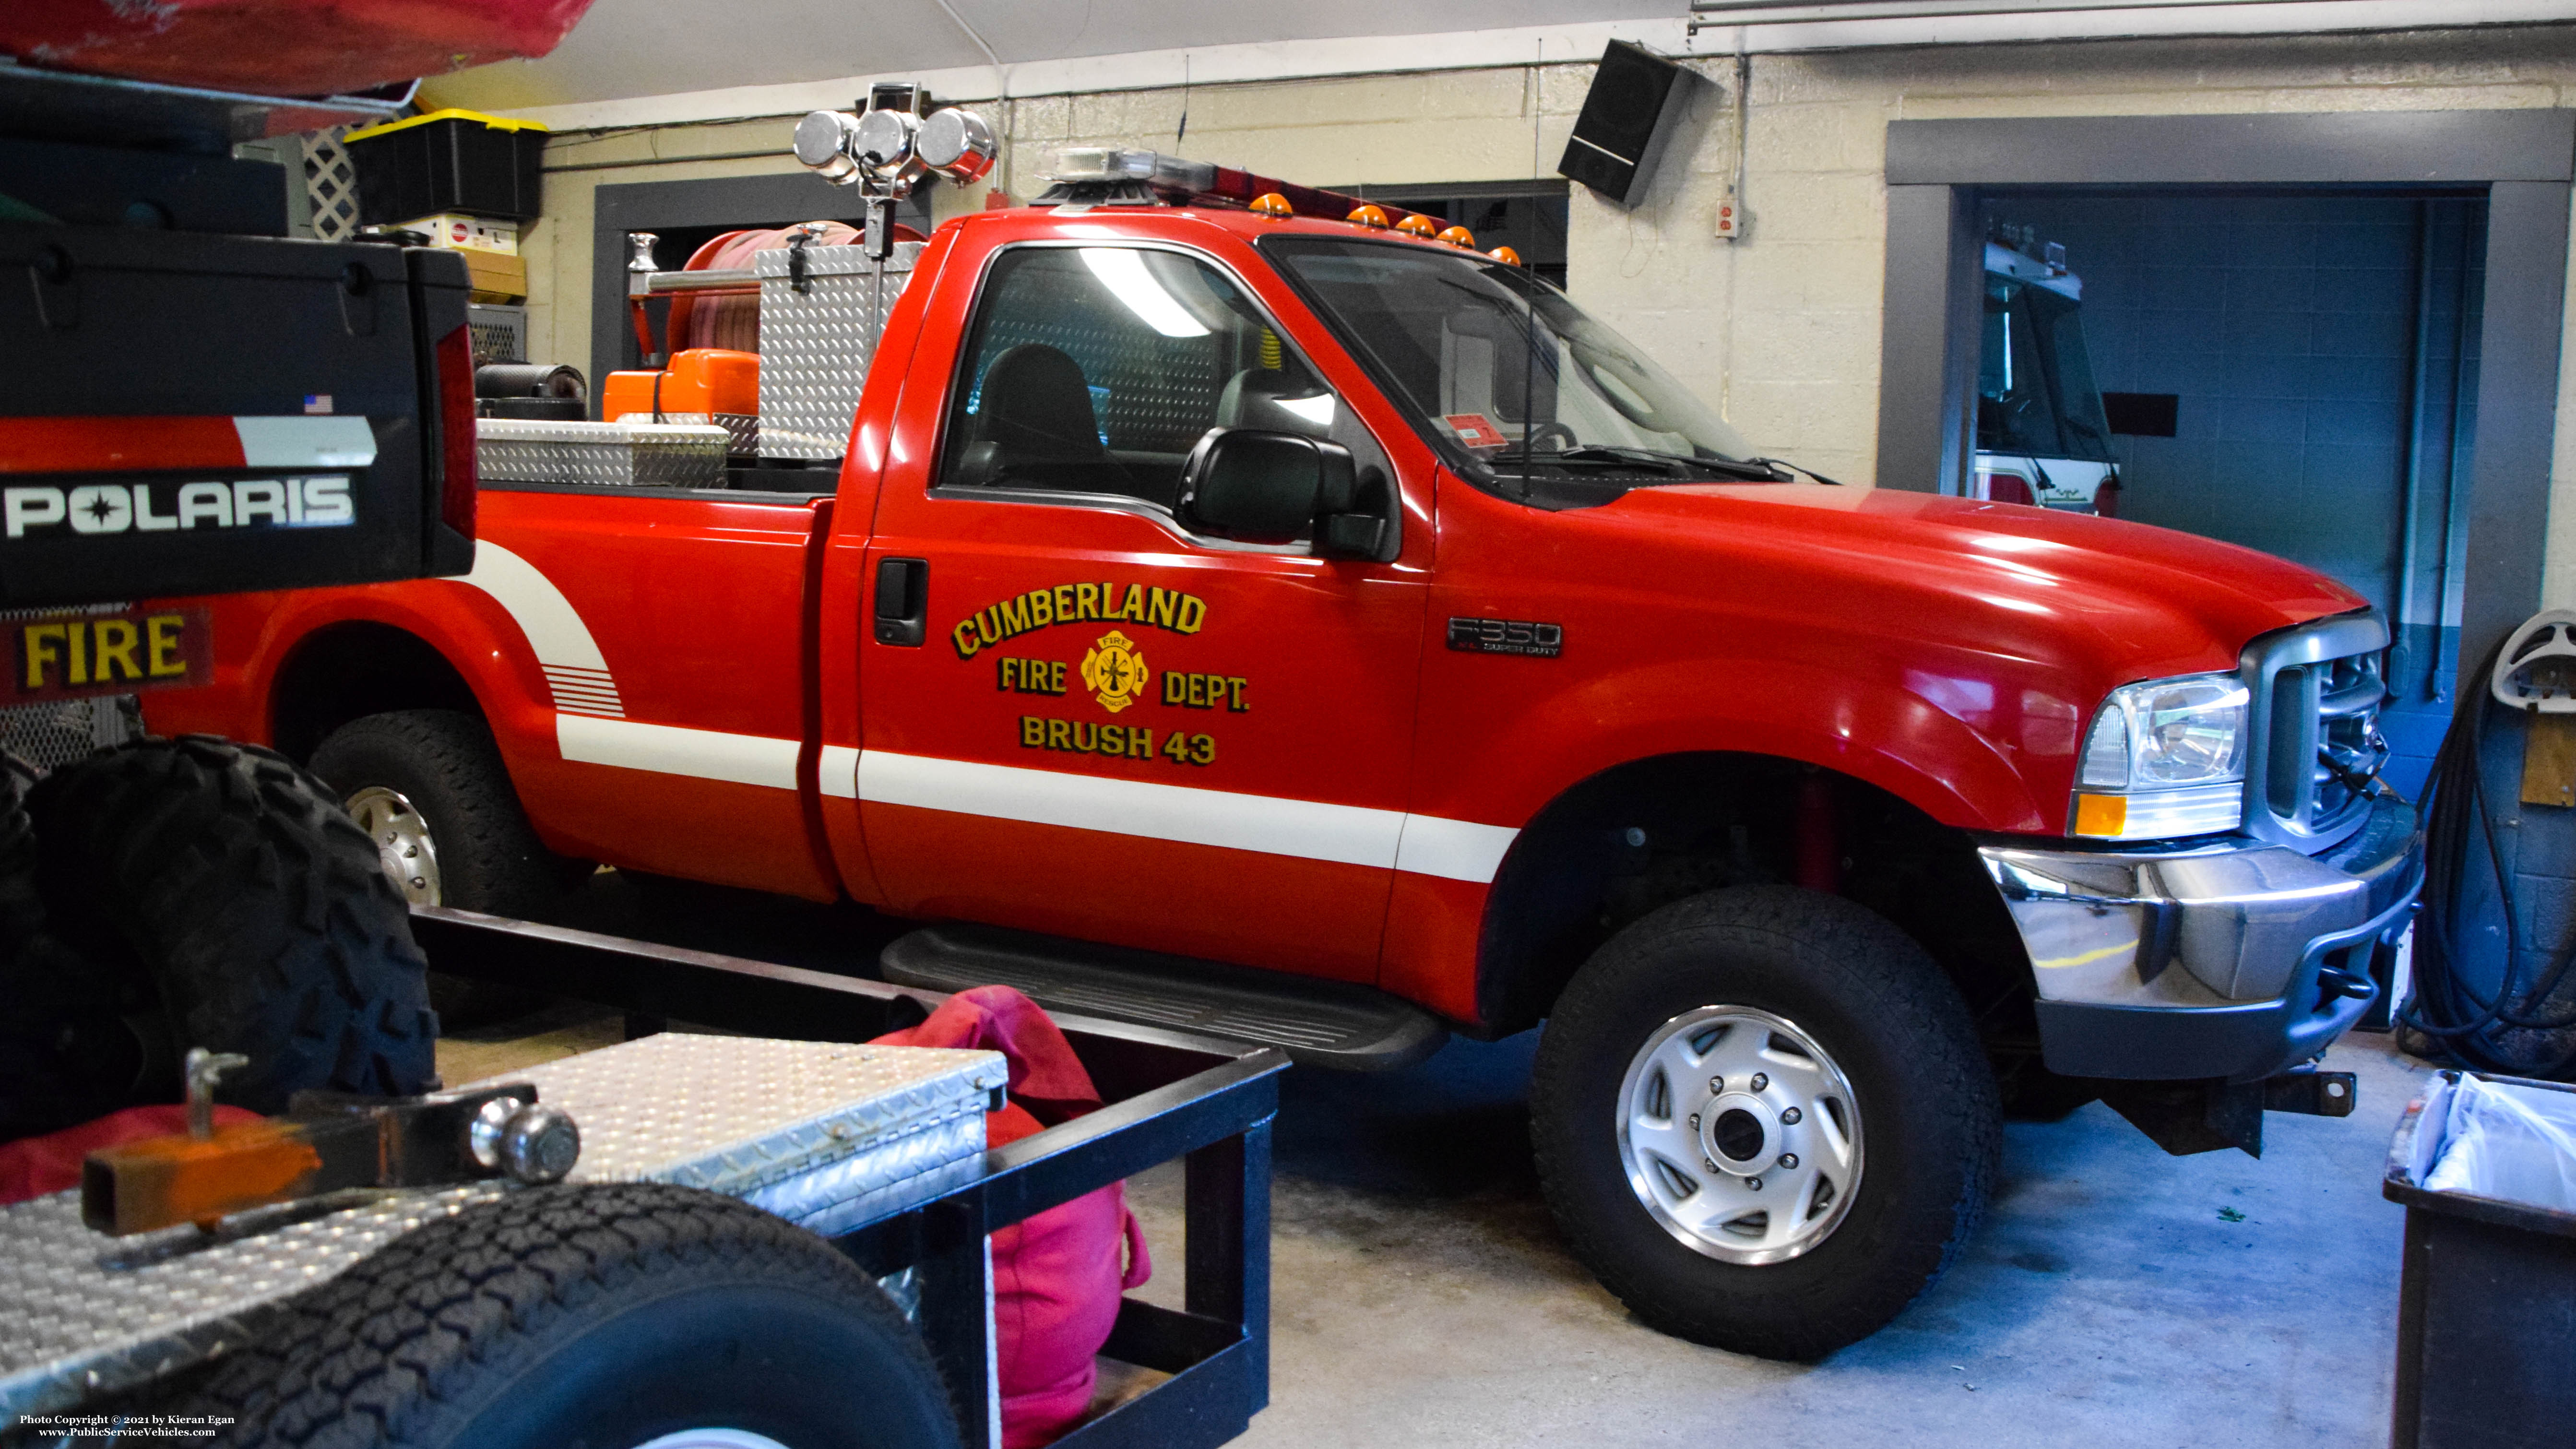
(1780, 330)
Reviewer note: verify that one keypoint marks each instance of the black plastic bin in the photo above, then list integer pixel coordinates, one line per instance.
(447, 161)
(2486, 1314)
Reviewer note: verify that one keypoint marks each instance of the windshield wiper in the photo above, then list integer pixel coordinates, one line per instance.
(1757, 470)
(1785, 464)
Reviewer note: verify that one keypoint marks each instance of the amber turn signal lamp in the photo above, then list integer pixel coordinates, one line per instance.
(1272, 205)
(1459, 236)
(2102, 815)
(1506, 256)
(1417, 225)
(1367, 216)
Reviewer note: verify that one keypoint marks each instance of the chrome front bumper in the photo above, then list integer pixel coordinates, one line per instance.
(2227, 960)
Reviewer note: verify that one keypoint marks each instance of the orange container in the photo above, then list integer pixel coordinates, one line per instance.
(707, 380)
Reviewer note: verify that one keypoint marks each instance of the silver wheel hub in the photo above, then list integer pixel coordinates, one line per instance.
(1739, 1135)
(403, 845)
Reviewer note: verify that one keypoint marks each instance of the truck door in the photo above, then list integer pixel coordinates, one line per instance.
(1080, 718)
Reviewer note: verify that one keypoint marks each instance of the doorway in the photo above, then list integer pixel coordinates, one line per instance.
(2294, 372)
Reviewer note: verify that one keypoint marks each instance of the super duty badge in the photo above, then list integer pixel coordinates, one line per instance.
(1507, 636)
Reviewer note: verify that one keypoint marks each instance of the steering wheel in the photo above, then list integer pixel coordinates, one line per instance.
(1544, 431)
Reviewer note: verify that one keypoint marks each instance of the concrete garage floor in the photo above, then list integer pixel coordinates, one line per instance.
(1422, 1296)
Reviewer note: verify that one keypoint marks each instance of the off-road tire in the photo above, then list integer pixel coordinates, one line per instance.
(601, 1315)
(74, 1014)
(445, 762)
(1879, 1006)
(255, 906)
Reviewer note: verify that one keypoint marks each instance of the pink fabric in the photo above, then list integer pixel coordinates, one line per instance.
(37, 1166)
(1057, 1277)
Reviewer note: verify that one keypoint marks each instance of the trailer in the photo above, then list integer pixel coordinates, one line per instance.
(89, 1342)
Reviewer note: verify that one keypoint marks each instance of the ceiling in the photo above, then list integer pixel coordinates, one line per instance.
(628, 48)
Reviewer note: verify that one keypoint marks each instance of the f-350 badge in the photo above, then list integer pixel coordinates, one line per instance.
(1114, 671)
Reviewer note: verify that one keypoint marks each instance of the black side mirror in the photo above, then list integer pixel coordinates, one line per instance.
(1264, 487)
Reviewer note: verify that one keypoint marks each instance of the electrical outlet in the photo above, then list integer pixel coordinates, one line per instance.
(1730, 219)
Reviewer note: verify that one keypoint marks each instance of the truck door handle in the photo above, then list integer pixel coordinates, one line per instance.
(903, 600)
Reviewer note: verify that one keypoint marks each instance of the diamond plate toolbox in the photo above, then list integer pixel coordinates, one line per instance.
(827, 1135)
(621, 455)
(815, 343)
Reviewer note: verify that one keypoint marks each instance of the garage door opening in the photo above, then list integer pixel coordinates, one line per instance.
(2296, 373)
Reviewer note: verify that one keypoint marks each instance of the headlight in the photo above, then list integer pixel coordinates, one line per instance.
(2165, 758)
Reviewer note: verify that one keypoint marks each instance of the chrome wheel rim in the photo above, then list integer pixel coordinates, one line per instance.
(1740, 1135)
(403, 846)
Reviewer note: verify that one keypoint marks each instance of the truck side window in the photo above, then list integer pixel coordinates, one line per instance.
(1096, 370)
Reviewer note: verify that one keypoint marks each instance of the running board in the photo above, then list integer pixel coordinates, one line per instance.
(1331, 1024)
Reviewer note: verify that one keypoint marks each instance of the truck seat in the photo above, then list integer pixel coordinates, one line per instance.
(1034, 428)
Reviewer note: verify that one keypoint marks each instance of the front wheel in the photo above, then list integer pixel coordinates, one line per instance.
(1763, 1118)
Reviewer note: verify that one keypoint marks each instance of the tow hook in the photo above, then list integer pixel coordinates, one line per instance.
(2311, 1093)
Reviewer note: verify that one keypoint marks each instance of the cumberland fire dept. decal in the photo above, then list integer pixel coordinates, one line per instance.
(1115, 671)
(1112, 669)
(1074, 603)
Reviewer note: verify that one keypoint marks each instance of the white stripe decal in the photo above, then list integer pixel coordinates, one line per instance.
(1306, 829)
(1458, 849)
(316, 442)
(837, 773)
(671, 750)
(554, 628)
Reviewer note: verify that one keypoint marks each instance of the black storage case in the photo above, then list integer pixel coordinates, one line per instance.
(117, 322)
(2486, 1308)
(455, 163)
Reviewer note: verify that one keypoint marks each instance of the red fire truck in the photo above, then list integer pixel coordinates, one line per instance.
(1225, 612)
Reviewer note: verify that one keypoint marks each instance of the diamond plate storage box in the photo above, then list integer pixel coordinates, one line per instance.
(829, 1136)
(823, 1134)
(815, 344)
(621, 455)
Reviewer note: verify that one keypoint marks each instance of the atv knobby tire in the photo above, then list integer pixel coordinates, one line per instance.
(75, 1014)
(1877, 1005)
(607, 1315)
(254, 906)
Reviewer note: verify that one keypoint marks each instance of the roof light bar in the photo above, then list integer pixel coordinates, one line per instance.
(1116, 163)
(1117, 175)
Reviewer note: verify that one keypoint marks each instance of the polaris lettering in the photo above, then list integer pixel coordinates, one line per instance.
(313, 501)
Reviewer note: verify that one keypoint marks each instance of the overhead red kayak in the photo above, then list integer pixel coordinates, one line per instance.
(281, 47)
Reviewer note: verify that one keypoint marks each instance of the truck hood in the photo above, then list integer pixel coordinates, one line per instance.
(2142, 601)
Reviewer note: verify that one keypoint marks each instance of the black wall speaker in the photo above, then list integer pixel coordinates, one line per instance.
(1628, 115)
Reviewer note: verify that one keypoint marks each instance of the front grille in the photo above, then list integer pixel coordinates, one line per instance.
(2316, 691)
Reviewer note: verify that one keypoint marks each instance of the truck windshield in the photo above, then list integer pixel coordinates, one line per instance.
(1525, 393)
(2035, 390)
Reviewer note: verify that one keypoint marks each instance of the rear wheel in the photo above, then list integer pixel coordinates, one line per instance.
(632, 1316)
(1764, 1120)
(430, 789)
(253, 906)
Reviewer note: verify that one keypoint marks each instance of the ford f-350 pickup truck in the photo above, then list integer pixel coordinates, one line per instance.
(1337, 637)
